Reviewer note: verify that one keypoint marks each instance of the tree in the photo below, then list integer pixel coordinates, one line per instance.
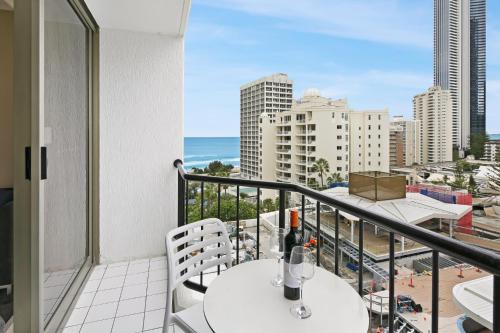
(322, 167)
(334, 178)
(459, 176)
(472, 184)
(197, 171)
(477, 142)
(312, 182)
(268, 205)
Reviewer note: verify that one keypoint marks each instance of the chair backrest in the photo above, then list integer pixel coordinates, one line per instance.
(194, 248)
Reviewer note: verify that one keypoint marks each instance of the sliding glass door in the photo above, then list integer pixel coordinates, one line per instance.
(55, 161)
(66, 141)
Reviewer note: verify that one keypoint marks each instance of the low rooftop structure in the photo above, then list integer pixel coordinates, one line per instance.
(475, 298)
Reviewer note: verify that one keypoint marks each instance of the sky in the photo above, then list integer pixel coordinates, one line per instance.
(376, 53)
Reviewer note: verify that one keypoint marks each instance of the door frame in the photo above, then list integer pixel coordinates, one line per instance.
(28, 270)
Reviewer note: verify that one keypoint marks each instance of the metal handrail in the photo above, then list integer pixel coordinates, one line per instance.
(479, 257)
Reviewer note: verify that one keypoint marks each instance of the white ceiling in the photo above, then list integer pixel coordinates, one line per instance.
(167, 17)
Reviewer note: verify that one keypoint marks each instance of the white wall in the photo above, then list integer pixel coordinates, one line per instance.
(141, 134)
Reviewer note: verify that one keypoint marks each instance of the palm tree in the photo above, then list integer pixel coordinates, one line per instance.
(322, 167)
(334, 178)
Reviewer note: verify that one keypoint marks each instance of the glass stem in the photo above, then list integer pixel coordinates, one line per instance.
(301, 298)
(279, 266)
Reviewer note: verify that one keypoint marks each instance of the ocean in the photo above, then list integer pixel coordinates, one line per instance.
(199, 151)
(494, 136)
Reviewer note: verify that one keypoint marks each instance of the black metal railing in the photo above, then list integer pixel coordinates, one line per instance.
(476, 256)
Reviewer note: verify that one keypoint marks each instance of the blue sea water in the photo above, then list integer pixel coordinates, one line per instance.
(199, 152)
(494, 136)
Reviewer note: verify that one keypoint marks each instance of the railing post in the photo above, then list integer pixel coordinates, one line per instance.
(318, 232)
(218, 216)
(337, 250)
(391, 282)
(435, 292)
(237, 224)
(181, 190)
(360, 257)
(282, 209)
(303, 224)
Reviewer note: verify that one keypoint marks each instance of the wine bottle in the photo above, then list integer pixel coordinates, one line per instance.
(293, 238)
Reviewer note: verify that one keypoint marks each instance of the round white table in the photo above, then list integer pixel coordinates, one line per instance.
(242, 300)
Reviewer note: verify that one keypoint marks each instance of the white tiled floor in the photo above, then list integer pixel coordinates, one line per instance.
(123, 297)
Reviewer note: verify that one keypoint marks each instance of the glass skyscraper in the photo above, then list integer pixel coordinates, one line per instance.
(477, 66)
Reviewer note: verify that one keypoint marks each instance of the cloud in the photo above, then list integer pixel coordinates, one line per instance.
(389, 21)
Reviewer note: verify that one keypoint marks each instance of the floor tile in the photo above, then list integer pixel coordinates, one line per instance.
(85, 300)
(119, 264)
(140, 278)
(134, 291)
(157, 287)
(97, 274)
(155, 302)
(159, 264)
(100, 312)
(115, 271)
(107, 296)
(72, 329)
(157, 275)
(103, 326)
(131, 306)
(77, 317)
(111, 283)
(154, 319)
(91, 286)
(129, 324)
(138, 268)
(65, 272)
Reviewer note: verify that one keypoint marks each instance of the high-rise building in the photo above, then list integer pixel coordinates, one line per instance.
(269, 95)
(396, 146)
(318, 127)
(369, 140)
(477, 66)
(452, 62)
(434, 109)
(492, 151)
(412, 140)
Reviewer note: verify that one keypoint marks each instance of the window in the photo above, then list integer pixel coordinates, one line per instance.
(379, 127)
(339, 147)
(339, 126)
(369, 136)
(379, 145)
(379, 117)
(369, 127)
(369, 154)
(379, 136)
(369, 117)
(369, 163)
(339, 168)
(369, 145)
(333, 114)
(339, 158)
(339, 137)
(378, 163)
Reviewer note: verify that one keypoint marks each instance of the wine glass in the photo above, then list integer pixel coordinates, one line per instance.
(301, 267)
(276, 248)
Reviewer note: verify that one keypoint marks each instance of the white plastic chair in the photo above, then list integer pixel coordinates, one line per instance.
(184, 260)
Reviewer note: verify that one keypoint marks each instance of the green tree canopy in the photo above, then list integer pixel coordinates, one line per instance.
(477, 142)
(322, 167)
(334, 178)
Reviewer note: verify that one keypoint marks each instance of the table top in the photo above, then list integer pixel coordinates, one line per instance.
(243, 300)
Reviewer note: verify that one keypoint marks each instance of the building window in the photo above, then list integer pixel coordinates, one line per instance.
(369, 163)
(339, 147)
(333, 114)
(369, 127)
(369, 136)
(339, 168)
(339, 137)
(369, 117)
(379, 117)
(339, 158)
(379, 127)
(369, 145)
(339, 126)
(369, 154)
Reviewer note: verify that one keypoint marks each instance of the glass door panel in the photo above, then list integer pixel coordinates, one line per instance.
(66, 136)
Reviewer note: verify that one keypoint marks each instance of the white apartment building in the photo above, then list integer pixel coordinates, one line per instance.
(434, 109)
(269, 95)
(411, 139)
(318, 127)
(369, 131)
(452, 62)
(492, 151)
